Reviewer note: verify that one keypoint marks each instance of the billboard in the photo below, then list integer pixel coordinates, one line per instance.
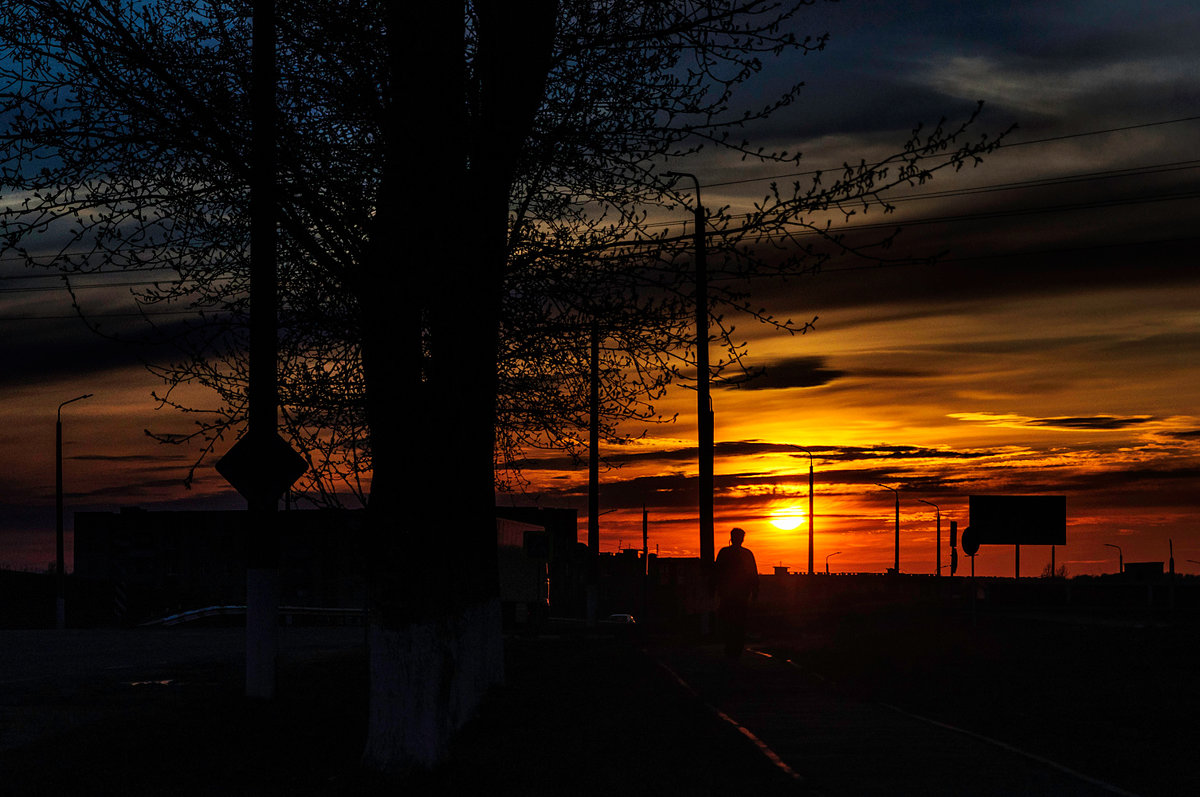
(1019, 519)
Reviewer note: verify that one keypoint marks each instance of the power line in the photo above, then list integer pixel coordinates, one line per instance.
(1019, 254)
(95, 316)
(1049, 182)
(872, 267)
(1017, 185)
(1040, 182)
(993, 214)
(1030, 142)
(849, 228)
(1037, 182)
(82, 286)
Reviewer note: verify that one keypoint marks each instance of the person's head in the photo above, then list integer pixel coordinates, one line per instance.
(736, 535)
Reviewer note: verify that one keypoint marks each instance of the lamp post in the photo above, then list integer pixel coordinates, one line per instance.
(938, 571)
(835, 553)
(897, 492)
(810, 513)
(1120, 557)
(704, 410)
(60, 567)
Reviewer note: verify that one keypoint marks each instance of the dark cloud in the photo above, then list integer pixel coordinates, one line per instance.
(741, 448)
(38, 351)
(1099, 422)
(152, 459)
(751, 448)
(903, 452)
(131, 491)
(791, 372)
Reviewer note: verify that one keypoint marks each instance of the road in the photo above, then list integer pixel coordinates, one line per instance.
(51, 681)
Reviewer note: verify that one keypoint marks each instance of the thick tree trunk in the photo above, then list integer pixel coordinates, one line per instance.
(431, 310)
(426, 681)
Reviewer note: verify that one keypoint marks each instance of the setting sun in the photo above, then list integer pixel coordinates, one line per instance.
(788, 519)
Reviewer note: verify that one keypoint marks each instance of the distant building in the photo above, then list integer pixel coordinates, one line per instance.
(565, 556)
(1144, 571)
(159, 563)
(146, 565)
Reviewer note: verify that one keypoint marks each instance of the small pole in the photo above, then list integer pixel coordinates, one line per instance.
(1171, 571)
(262, 552)
(1120, 556)
(974, 590)
(593, 538)
(645, 560)
(645, 541)
(60, 561)
(811, 518)
(897, 493)
(704, 409)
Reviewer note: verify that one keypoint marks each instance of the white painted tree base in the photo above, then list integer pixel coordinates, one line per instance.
(426, 681)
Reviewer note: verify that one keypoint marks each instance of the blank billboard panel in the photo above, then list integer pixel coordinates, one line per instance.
(1019, 519)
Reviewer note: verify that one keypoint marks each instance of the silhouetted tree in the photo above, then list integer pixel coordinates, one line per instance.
(464, 192)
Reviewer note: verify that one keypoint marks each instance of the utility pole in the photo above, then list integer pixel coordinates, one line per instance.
(811, 518)
(593, 538)
(1120, 557)
(704, 409)
(897, 492)
(645, 561)
(645, 541)
(262, 465)
(262, 563)
(60, 559)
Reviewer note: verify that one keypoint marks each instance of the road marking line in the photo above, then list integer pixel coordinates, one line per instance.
(762, 746)
(1004, 745)
(978, 736)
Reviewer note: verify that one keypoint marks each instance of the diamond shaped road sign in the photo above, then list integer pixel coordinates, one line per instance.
(261, 466)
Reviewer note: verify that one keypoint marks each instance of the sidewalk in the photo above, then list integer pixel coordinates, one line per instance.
(837, 745)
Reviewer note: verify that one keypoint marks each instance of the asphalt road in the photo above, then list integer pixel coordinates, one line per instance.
(833, 744)
(52, 681)
(591, 714)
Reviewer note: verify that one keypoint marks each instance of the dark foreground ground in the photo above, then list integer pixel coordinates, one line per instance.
(586, 716)
(1114, 698)
(1111, 693)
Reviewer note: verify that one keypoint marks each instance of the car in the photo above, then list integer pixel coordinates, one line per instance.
(621, 619)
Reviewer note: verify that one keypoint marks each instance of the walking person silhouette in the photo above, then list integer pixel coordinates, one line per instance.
(737, 583)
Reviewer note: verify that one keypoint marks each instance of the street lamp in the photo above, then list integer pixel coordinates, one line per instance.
(835, 553)
(60, 568)
(810, 513)
(938, 571)
(1120, 557)
(897, 492)
(704, 410)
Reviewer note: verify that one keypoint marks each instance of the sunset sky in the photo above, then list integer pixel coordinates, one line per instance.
(1053, 349)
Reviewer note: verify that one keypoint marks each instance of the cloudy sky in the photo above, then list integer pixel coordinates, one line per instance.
(1051, 349)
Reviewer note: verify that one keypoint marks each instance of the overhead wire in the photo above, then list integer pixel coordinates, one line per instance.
(1045, 182)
